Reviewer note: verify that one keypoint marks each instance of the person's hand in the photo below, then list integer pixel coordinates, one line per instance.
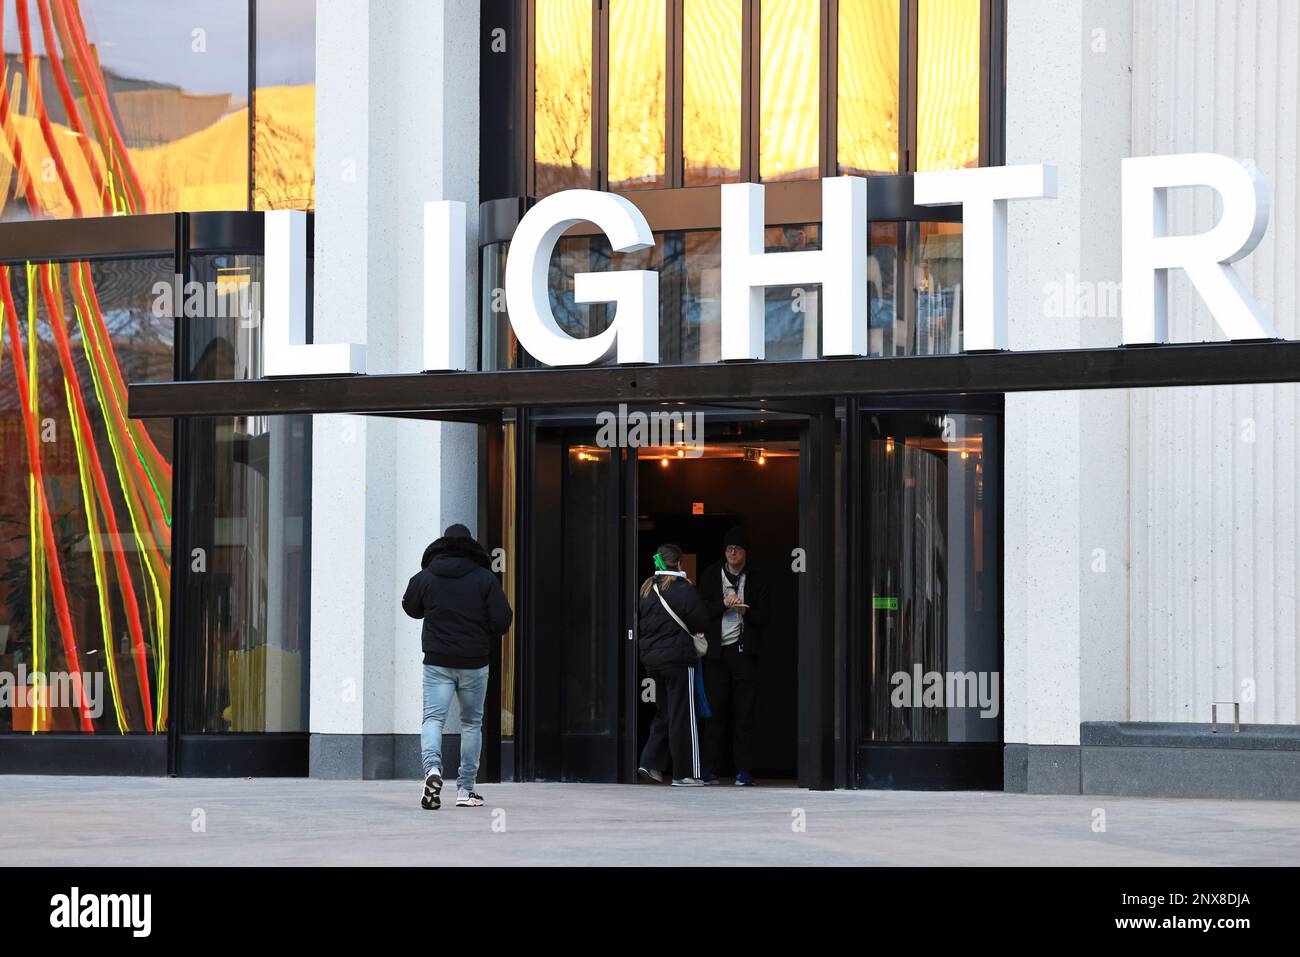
(729, 599)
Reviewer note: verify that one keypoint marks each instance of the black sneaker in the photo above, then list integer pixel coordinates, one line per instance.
(432, 791)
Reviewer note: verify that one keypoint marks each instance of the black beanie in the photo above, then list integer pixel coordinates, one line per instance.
(457, 531)
(736, 536)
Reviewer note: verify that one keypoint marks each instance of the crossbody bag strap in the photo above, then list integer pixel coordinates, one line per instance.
(668, 608)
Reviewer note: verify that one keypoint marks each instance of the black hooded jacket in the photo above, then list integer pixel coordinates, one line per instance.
(463, 605)
(661, 641)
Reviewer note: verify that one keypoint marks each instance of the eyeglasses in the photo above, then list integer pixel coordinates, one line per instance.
(735, 548)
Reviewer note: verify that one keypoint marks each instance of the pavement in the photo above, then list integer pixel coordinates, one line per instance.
(79, 821)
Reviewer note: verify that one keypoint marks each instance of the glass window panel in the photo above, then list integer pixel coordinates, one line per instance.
(914, 283)
(867, 65)
(711, 83)
(948, 84)
(562, 104)
(249, 482)
(637, 93)
(156, 117)
(791, 321)
(789, 89)
(109, 558)
(284, 106)
(932, 537)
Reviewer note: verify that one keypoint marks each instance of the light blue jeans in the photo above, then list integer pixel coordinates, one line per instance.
(469, 685)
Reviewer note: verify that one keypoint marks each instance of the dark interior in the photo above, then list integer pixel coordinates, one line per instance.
(765, 500)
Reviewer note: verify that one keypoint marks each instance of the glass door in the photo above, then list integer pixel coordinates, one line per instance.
(575, 639)
(932, 648)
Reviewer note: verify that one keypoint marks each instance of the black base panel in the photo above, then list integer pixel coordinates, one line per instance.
(244, 755)
(132, 754)
(930, 767)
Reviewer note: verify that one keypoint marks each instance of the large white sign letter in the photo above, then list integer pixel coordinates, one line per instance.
(840, 266)
(983, 194)
(1149, 252)
(284, 312)
(633, 333)
(444, 286)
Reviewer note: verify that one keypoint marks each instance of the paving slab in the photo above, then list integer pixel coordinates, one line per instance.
(186, 821)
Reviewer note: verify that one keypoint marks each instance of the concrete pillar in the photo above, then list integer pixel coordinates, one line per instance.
(396, 126)
(1066, 500)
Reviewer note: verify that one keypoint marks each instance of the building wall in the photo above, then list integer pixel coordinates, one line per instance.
(1214, 520)
(1152, 534)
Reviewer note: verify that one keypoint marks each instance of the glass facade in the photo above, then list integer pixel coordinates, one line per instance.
(284, 106)
(85, 498)
(788, 89)
(638, 92)
(867, 104)
(562, 99)
(760, 82)
(934, 637)
(140, 106)
(249, 482)
(913, 278)
(948, 84)
(711, 83)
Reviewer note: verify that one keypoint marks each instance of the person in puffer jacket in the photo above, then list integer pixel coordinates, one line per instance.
(465, 611)
(668, 653)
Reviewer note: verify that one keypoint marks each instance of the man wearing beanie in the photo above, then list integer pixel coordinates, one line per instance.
(465, 611)
(738, 607)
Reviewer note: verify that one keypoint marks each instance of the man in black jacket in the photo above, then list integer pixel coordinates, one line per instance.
(738, 609)
(669, 613)
(465, 611)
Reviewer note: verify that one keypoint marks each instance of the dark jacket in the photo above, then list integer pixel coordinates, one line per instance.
(661, 641)
(752, 621)
(463, 605)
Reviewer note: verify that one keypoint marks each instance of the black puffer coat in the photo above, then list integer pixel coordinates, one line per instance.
(661, 641)
(463, 606)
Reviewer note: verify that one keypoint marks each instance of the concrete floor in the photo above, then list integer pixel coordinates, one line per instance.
(148, 821)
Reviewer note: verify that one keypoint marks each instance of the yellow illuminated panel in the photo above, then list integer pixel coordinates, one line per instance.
(948, 84)
(562, 104)
(867, 130)
(788, 94)
(711, 91)
(637, 93)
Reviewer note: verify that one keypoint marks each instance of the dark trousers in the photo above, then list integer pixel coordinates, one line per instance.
(731, 685)
(674, 734)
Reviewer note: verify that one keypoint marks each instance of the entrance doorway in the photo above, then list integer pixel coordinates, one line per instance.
(596, 515)
(751, 482)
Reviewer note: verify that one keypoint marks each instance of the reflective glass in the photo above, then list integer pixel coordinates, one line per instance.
(948, 84)
(932, 591)
(637, 93)
(249, 480)
(562, 104)
(146, 100)
(711, 86)
(789, 89)
(867, 67)
(85, 526)
(284, 106)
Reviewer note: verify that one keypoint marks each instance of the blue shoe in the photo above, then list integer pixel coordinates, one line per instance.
(708, 777)
(744, 780)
